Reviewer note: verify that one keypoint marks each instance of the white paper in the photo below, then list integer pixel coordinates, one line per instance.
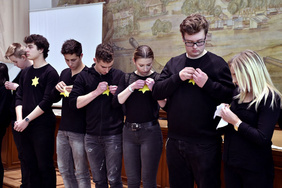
(221, 123)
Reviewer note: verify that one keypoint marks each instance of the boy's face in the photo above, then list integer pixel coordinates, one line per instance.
(73, 61)
(103, 67)
(195, 50)
(32, 52)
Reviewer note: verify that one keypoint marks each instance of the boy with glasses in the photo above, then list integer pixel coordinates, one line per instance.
(194, 83)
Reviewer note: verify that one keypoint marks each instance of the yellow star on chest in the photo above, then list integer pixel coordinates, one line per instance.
(144, 89)
(107, 92)
(35, 81)
(192, 81)
(65, 93)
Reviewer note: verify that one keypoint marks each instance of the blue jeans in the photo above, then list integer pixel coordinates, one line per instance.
(189, 162)
(142, 149)
(104, 154)
(72, 160)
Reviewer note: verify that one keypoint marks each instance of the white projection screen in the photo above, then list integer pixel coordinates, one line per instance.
(80, 22)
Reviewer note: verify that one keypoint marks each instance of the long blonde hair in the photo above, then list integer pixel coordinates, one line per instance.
(252, 76)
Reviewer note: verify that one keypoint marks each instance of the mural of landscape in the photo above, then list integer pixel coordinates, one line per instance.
(235, 25)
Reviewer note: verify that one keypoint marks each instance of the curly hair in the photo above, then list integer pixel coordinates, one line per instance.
(194, 24)
(40, 41)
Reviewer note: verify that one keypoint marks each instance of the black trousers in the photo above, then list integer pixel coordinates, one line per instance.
(194, 162)
(38, 150)
(17, 140)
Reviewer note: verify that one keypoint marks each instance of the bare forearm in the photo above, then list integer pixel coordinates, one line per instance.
(19, 112)
(123, 96)
(86, 99)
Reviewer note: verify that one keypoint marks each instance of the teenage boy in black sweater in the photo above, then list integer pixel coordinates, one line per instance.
(94, 89)
(194, 83)
(35, 118)
(71, 155)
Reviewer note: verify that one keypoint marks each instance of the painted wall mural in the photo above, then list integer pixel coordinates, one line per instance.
(235, 25)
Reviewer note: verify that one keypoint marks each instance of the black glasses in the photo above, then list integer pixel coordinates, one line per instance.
(198, 43)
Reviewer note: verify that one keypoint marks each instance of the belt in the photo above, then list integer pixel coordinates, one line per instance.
(137, 126)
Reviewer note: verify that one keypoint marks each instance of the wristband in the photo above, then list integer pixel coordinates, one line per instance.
(236, 126)
(130, 89)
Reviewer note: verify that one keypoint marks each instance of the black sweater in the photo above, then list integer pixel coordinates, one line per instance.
(72, 119)
(5, 103)
(250, 147)
(102, 119)
(190, 109)
(139, 107)
(31, 93)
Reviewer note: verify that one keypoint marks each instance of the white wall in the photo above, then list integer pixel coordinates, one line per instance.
(80, 22)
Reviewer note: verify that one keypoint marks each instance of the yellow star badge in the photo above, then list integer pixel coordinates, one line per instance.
(192, 81)
(107, 92)
(144, 89)
(35, 81)
(65, 93)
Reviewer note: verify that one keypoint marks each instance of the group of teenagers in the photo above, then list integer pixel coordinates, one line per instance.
(108, 115)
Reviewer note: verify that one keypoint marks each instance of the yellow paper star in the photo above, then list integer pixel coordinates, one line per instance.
(65, 93)
(144, 89)
(35, 81)
(107, 92)
(192, 81)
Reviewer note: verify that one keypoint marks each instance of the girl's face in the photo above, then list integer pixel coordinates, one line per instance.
(143, 66)
(234, 78)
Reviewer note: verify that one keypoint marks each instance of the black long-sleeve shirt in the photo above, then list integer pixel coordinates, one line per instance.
(35, 89)
(250, 147)
(190, 109)
(102, 119)
(13, 112)
(140, 106)
(72, 119)
(5, 103)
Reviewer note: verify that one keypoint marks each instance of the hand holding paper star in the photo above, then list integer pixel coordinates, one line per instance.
(107, 91)
(200, 77)
(101, 88)
(150, 83)
(65, 93)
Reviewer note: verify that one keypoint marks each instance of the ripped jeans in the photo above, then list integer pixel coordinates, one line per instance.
(104, 154)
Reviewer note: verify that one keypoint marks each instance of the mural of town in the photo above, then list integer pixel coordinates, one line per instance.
(235, 25)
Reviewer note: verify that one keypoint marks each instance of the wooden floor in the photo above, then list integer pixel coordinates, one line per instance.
(12, 179)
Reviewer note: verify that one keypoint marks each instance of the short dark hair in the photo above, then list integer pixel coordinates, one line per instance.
(71, 46)
(4, 76)
(104, 52)
(40, 41)
(194, 24)
(143, 51)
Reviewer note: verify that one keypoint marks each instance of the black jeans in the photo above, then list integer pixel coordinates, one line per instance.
(142, 150)
(38, 150)
(17, 139)
(193, 162)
